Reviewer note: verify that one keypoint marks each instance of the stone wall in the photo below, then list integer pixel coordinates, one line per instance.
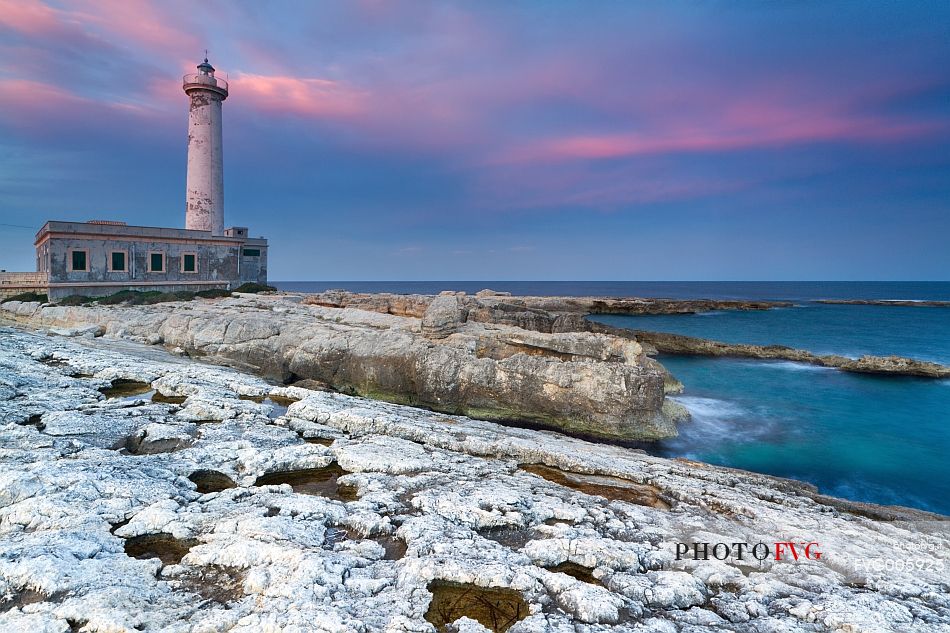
(17, 283)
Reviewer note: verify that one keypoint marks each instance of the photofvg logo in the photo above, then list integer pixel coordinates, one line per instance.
(778, 551)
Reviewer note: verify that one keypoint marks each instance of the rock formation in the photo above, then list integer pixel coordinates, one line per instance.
(396, 519)
(584, 383)
(567, 314)
(443, 317)
(489, 306)
(691, 346)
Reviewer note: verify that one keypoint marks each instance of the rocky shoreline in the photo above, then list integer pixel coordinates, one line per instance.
(680, 344)
(581, 382)
(568, 314)
(544, 314)
(150, 492)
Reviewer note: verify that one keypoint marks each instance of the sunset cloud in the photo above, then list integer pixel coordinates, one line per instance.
(30, 17)
(318, 98)
(722, 140)
(426, 121)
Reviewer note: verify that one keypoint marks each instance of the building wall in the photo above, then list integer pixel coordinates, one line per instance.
(254, 268)
(17, 283)
(219, 265)
(215, 262)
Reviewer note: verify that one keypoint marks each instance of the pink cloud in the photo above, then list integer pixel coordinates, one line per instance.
(309, 97)
(141, 23)
(524, 122)
(742, 125)
(543, 186)
(25, 94)
(144, 23)
(29, 16)
(44, 110)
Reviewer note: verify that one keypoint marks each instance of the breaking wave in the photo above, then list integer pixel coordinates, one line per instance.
(790, 365)
(710, 408)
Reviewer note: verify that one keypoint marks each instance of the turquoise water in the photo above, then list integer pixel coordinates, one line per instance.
(849, 330)
(868, 438)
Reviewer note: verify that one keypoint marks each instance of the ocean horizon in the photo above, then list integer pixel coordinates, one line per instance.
(739, 290)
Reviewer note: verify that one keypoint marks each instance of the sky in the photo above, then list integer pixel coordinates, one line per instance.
(412, 140)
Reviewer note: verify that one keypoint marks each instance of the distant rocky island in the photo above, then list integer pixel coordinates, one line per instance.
(287, 461)
(906, 303)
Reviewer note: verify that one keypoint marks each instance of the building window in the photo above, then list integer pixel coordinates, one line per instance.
(156, 262)
(118, 262)
(79, 261)
(252, 252)
(189, 262)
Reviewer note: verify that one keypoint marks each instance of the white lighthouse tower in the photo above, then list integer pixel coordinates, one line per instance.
(204, 200)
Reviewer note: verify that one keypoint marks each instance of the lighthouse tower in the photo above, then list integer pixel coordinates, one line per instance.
(204, 199)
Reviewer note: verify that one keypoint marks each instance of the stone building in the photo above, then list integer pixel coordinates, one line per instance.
(99, 258)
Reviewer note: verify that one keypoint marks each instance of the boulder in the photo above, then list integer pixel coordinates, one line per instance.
(488, 292)
(443, 317)
(87, 330)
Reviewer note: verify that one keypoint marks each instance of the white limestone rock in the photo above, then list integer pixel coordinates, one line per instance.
(661, 589)
(585, 602)
(588, 383)
(86, 331)
(447, 488)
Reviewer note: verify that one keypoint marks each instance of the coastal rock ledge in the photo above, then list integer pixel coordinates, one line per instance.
(141, 491)
(581, 382)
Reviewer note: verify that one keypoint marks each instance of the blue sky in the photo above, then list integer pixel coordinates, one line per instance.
(497, 140)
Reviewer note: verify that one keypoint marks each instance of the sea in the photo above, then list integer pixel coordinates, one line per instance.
(862, 437)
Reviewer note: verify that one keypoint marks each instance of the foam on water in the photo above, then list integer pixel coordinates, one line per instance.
(790, 365)
(717, 425)
(708, 408)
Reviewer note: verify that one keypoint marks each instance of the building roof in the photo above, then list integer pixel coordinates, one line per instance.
(54, 228)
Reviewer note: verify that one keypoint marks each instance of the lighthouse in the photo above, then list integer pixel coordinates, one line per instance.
(204, 198)
(101, 257)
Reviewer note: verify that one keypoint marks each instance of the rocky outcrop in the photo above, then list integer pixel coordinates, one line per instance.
(443, 317)
(583, 383)
(488, 292)
(691, 346)
(534, 313)
(576, 536)
(400, 305)
(567, 314)
(897, 365)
